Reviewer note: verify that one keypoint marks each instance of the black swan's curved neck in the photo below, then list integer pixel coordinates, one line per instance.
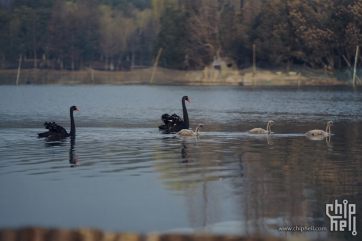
(186, 116)
(72, 125)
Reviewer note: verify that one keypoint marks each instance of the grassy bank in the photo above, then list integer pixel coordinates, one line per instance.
(164, 76)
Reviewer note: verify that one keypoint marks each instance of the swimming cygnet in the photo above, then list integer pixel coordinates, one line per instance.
(261, 130)
(320, 132)
(186, 132)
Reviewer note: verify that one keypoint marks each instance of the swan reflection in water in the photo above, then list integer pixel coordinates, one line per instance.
(241, 166)
(184, 148)
(73, 158)
(329, 144)
(54, 143)
(321, 138)
(187, 141)
(184, 152)
(270, 141)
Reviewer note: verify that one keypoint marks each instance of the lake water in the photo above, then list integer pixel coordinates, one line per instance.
(120, 174)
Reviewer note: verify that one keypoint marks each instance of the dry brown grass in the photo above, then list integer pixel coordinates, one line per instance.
(162, 77)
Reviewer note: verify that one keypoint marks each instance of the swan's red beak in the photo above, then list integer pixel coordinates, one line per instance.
(76, 108)
(188, 99)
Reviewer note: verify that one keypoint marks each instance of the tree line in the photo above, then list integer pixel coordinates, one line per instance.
(125, 34)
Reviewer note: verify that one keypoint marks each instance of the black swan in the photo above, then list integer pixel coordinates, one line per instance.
(320, 132)
(261, 130)
(174, 123)
(56, 131)
(186, 132)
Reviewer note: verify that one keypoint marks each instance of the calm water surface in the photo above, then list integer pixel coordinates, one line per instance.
(121, 174)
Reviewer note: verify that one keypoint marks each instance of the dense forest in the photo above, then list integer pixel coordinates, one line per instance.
(127, 34)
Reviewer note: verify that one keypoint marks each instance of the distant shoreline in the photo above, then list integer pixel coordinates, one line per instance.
(163, 76)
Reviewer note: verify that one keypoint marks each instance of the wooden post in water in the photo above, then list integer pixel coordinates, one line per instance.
(355, 65)
(254, 63)
(17, 78)
(155, 65)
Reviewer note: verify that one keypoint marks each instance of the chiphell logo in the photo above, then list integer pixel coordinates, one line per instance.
(344, 216)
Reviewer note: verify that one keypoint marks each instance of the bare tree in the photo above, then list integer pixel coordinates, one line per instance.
(57, 30)
(207, 24)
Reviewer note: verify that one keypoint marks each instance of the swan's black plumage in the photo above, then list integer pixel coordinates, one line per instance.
(57, 131)
(173, 123)
(53, 129)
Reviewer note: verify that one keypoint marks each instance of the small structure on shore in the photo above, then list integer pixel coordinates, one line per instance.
(224, 64)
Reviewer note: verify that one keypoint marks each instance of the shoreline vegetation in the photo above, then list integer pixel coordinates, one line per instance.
(189, 39)
(163, 76)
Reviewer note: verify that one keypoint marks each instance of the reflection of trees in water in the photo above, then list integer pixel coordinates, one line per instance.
(286, 185)
(263, 197)
(196, 174)
(178, 171)
(293, 181)
(204, 207)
